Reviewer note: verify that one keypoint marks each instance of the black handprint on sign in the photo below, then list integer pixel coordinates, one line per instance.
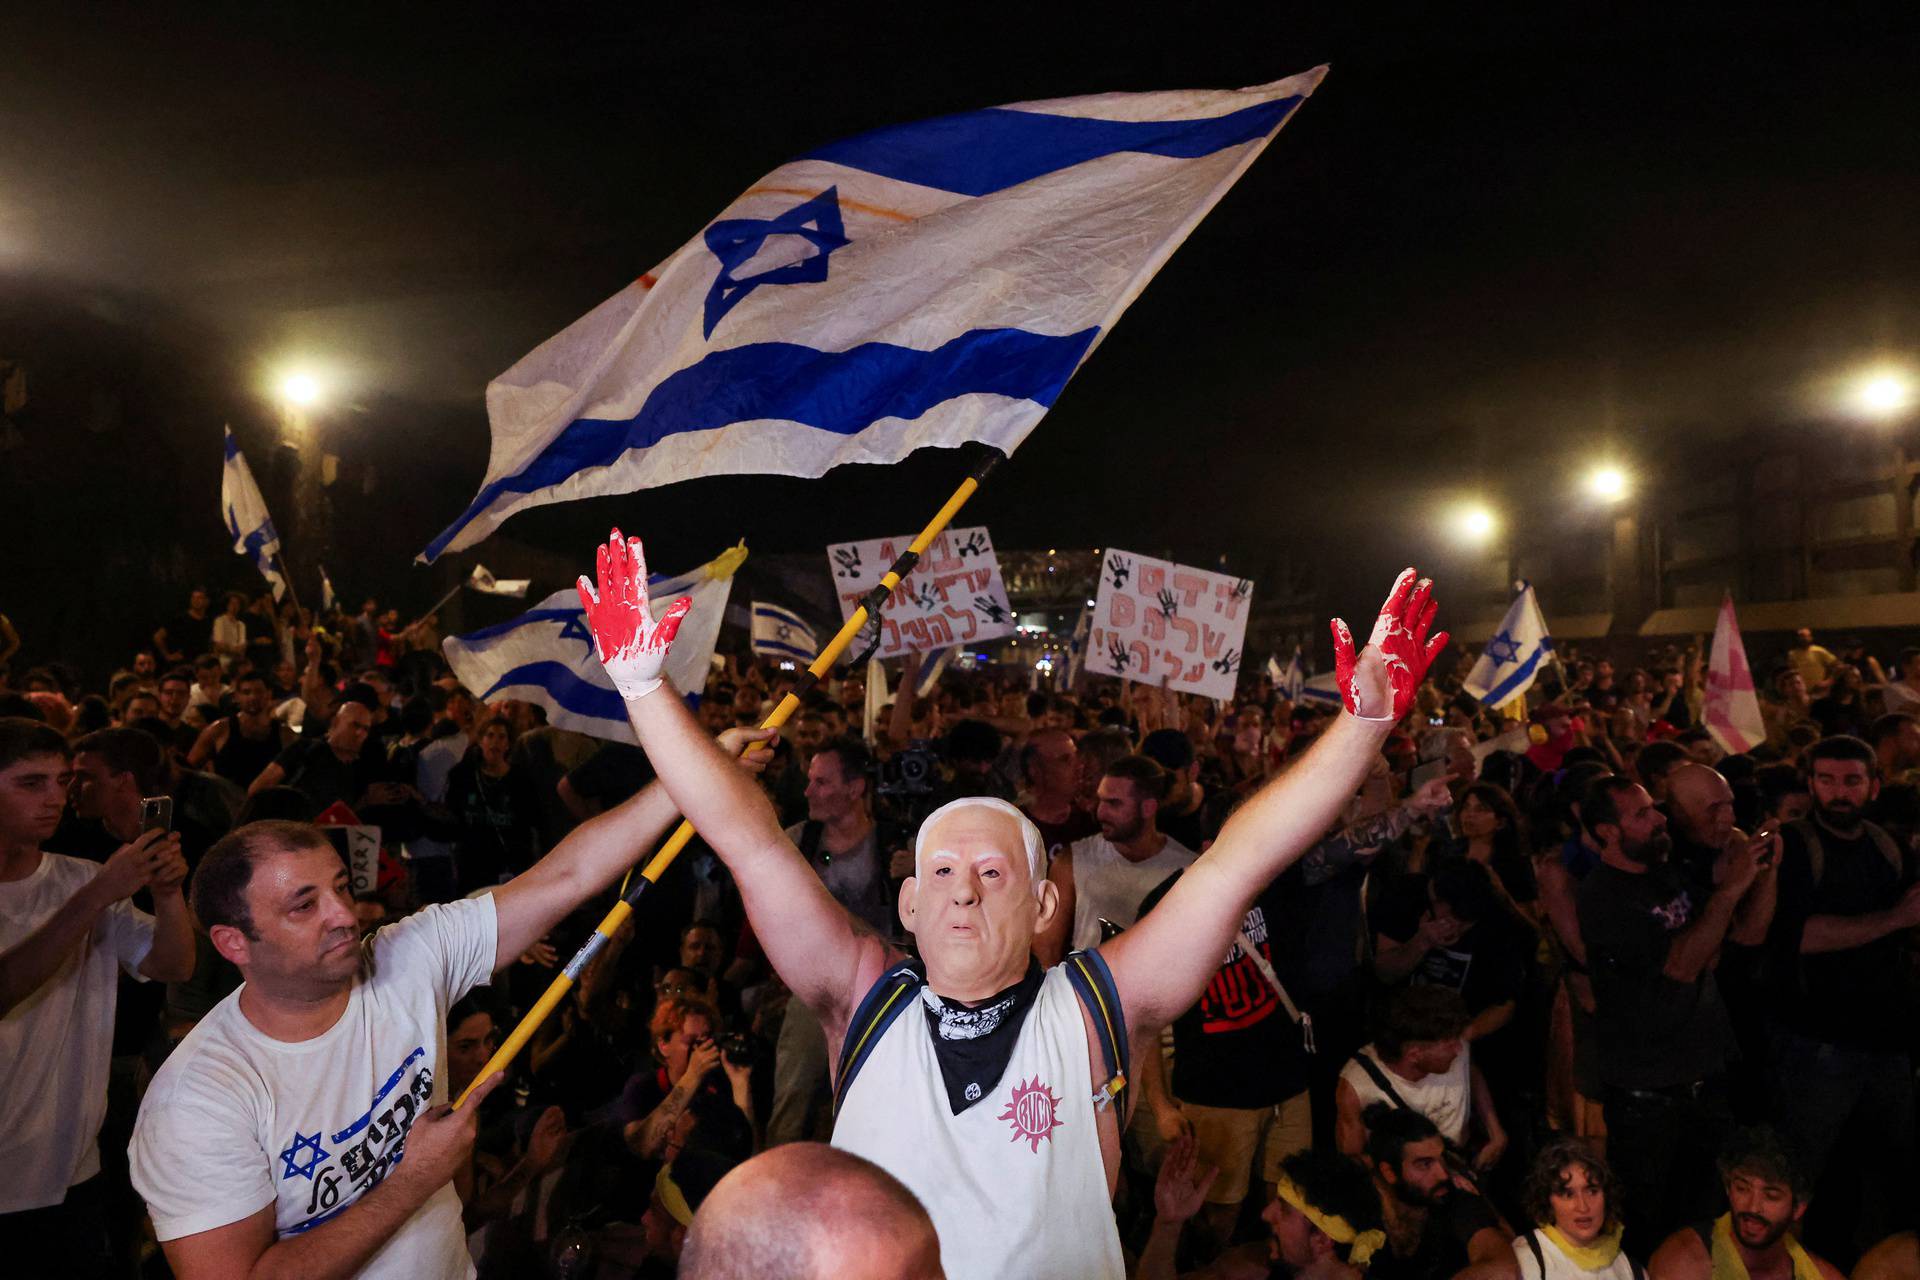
(975, 544)
(1169, 603)
(1120, 570)
(926, 597)
(1242, 589)
(1117, 651)
(848, 558)
(989, 609)
(1228, 662)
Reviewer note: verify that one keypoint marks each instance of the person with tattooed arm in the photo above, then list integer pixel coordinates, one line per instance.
(997, 1097)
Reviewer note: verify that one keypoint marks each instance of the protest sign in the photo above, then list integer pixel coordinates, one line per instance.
(357, 844)
(1156, 622)
(955, 595)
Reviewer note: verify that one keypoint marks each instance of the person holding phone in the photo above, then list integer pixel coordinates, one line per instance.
(66, 930)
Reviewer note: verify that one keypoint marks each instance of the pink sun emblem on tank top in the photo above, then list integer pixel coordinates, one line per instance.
(1034, 1113)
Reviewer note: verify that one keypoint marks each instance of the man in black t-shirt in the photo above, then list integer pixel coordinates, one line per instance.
(1664, 1035)
(1239, 1068)
(1842, 1023)
(187, 636)
(330, 769)
(1434, 1230)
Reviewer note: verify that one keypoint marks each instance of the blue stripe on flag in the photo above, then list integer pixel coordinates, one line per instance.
(781, 646)
(976, 153)
(566, 688)
(514, 624)
(779, 615)
(1521, 674)
(844, 392)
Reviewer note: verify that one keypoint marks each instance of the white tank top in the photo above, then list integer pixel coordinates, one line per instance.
(1015, 1184)
(1106, 885)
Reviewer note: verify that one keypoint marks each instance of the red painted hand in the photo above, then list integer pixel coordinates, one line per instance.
(1379, 683)
(633, 647)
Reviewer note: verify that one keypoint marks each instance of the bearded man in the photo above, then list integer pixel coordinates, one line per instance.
(1664, 1035)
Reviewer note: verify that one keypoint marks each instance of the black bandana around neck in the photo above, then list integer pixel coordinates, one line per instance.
(975, 1044)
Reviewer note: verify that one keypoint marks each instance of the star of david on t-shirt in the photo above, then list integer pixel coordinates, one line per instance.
(309, 1144)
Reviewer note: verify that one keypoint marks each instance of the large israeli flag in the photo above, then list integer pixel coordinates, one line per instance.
(546, 655)
(924, 284)
(1512, 659)
(245, 514)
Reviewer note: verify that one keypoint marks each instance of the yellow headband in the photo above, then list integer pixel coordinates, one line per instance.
(674, 1200)
(1360, 1244)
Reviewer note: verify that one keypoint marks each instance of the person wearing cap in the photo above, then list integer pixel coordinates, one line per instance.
(994, 1091)
(1182, 813)
(1323, 1222)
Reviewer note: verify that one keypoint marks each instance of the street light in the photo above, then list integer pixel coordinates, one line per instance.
(1883, 393)
(1475, 523)
(1607, 483)
(301, 390)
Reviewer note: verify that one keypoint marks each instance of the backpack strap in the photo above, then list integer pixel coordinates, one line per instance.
(1379, 1078)
(1093, 983)
(886, 1000)
(1539, 1259)
(809, 842)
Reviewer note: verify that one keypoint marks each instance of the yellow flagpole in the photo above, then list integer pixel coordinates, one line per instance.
(816, 670)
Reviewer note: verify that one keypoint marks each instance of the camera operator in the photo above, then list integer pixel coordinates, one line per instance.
(688, 1051)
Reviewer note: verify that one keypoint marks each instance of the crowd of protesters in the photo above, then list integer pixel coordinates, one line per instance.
(1566, 990)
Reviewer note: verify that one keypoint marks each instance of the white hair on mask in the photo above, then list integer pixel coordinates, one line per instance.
(1030, 834)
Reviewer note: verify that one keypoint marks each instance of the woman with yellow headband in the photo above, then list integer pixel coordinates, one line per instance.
(1575, 1204)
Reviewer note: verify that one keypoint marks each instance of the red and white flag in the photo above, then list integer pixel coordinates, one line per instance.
(1733, 710)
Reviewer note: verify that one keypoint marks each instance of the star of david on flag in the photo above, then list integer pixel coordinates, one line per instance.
(924, 284)
(782, 634)
(737, 241)
(547, 656)
(1511, 661)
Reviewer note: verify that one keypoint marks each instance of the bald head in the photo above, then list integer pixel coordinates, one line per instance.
(806, 1210)
(1701, 803)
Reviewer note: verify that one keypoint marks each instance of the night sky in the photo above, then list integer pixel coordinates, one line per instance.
(1488, 248)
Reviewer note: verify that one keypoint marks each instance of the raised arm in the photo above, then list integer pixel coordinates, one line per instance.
(1163, 962)
(823, 955)
(27, 965)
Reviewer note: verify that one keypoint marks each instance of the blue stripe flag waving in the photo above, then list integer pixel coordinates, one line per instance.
(923, 284)
(546, 655)
(244, 512)
(782, 633)
(1511, 661)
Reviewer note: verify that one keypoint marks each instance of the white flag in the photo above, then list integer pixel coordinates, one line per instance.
(546, 655)
(1732, 712)
(877, 699)
(245, 514)
(483, 581)
(1511, 662)
(922, 284)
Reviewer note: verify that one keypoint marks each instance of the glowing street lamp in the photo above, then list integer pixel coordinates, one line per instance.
(1607, 483)
(1475, 523)
(302, 390)
(1883, 393)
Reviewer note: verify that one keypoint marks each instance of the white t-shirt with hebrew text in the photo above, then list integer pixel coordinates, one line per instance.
(235, 1120)
(56, 1046)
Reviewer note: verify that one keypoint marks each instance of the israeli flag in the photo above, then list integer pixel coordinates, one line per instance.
(923, 284)
(1511, 661)
(546, 655)
(245, 513)
(782, 634)
(1289, 680)
(1323, 689)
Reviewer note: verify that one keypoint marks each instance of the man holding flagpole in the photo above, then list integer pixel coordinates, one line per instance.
(996, 1092)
